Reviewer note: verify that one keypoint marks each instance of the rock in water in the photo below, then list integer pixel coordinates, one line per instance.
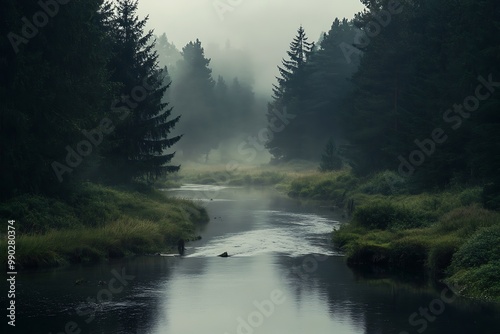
(224, 254)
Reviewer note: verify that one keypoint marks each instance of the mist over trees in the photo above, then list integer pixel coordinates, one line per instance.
(218, 111)
(311, 88)
(137, 146)
(411, 88)
(81, 98)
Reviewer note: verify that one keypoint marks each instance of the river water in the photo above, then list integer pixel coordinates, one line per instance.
(283, 276)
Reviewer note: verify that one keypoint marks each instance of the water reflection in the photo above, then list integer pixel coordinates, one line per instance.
(284, 277)
(385, 305)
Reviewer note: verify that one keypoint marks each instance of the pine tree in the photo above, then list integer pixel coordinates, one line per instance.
(52, 87)
(330, 160)
(194, 97)
(138, 144)
(168, 55)
(290, 95)
(292, 69)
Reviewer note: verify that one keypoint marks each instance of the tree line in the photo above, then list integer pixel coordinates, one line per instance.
(408, 86)
(215, 109)
(82, 99)
(87, 94)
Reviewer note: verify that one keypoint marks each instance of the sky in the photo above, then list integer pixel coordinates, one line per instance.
(264, 28)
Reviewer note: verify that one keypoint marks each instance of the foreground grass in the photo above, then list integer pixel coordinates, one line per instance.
(97, 222)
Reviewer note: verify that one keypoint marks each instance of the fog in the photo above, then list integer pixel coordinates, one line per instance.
(244, 41)
(262, 28)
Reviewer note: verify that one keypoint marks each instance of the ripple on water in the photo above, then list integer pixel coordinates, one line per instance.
(282, 232)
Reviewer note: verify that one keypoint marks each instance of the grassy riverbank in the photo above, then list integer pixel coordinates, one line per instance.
(236, 175)
(446, 234)
(97, 222)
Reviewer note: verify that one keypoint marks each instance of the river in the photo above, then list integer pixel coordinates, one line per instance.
(283, 276)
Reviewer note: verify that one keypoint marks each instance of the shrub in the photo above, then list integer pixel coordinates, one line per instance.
(330, 159)
(408, 254)
(466, 221)
(441, 254)
(482, 248)
(385, 183)
(384, 215)
(365, 253)
(37, 214)
(482, 282)
(491, 196)
(470, 196)
(344, 236)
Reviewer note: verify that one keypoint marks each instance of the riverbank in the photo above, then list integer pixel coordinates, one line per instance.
(96, 223)
(447, 234)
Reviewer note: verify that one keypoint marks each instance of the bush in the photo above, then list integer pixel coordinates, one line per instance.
(441, 255)
(385, 215)
(344, 236)
(330, 160)
(37, 214)
(482, 282)
(363, 253)
(482, 248)
(385, 183)
(409, 254)
(466, 221)
(491, 196)
(471, 196)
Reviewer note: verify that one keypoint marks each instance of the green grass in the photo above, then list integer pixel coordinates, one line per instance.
(239, 176)
(97, 222)
(461, 246)
(438, 233)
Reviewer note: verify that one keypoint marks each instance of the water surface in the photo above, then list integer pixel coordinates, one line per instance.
(283, 277)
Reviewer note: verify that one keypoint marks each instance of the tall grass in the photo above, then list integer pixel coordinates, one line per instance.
(97, 222)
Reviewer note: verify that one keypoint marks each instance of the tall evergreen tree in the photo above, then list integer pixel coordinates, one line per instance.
(53, 86)
(290, 96)
(290, 82)
(330, 160)
(330, 82)
(194, 97)
(138, 144)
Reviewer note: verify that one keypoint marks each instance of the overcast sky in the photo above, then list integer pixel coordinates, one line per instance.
(263, 27)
